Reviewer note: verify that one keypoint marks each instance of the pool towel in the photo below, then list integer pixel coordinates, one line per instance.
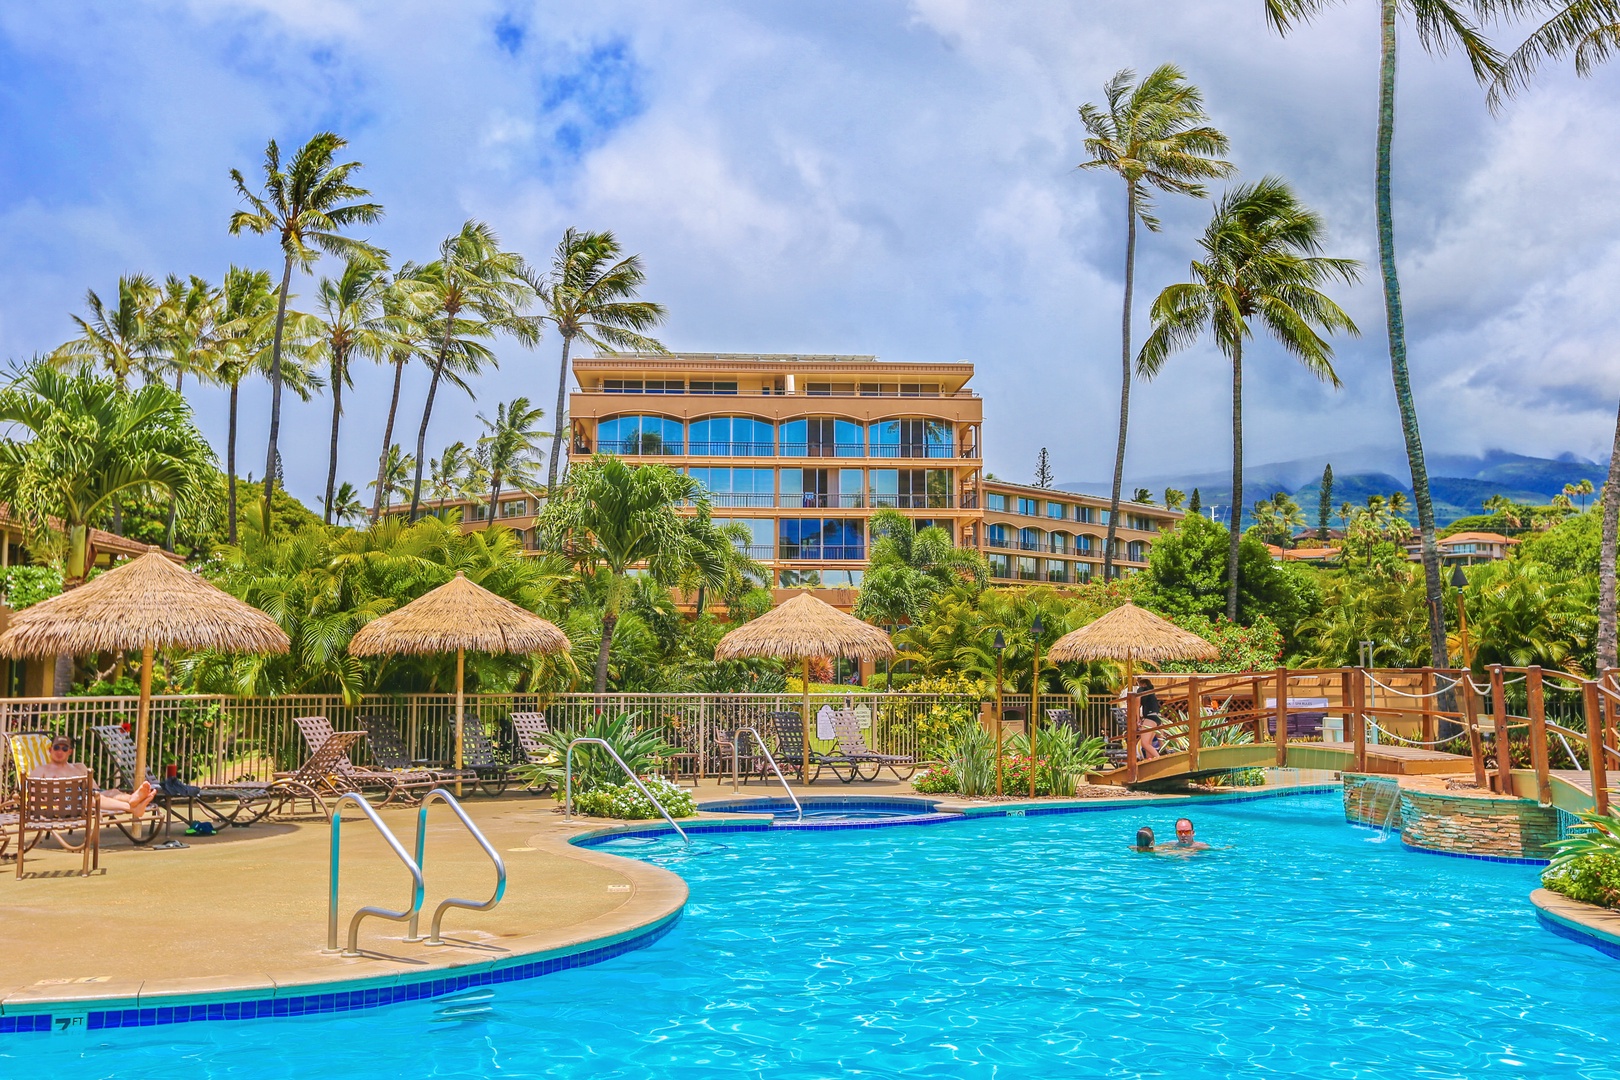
(824, 723)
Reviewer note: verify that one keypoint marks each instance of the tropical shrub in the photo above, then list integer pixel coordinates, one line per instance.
(1587, 866)
(935, 780)
(639, 749)
(971, 756)
(25, 586)
(627, 803)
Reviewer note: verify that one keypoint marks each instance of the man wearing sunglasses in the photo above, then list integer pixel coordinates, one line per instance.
(61, 766)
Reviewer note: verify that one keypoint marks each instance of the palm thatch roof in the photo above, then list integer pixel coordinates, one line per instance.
(1131, 633)
(147, 601)
(459, 615)
(805, 628)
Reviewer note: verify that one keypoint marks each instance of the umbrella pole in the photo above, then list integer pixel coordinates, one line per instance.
(461, 710)
(143, 718)
(804, 776)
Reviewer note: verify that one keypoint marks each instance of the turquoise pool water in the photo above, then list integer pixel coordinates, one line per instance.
(1033, 947)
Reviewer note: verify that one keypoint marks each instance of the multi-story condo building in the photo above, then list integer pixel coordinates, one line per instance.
(802, 450)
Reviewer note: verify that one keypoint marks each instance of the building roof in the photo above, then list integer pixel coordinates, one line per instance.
(100, 539)
(760, 358)
(1310, 554)
(1477, 538)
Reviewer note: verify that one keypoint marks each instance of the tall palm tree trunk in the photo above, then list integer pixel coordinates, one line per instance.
(337, 413)
(1125, 379)
(230, 465)
(1397, 337)
(1606, 646)
(609, 621)
(494, 493)
(1236, 537)
(421, 432)
(557, 436)
(388, 440)
(275, 391)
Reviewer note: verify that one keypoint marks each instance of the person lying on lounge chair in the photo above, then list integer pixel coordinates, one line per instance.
(61, 766)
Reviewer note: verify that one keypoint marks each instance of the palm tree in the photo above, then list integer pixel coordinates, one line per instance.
(122, 339)
(1174, 498)
(1441, 25)
(449, 472)
(397, 468)
(347, 509)
(352, 324)
(472, 291)
(590, 294)
(1153, 134)
(1588, 30)
(610, 517)
(306, 206)
(1259, 263)
(403, 301)
(511, 447)
(910, 567)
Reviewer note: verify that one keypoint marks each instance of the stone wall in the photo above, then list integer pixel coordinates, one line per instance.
(1472, 825)
(1371, 800)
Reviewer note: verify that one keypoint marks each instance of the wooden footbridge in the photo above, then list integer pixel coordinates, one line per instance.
(1525, 731)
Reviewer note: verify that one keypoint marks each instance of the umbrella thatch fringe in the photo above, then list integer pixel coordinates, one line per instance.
(146, 601)
(805, 628)
(1131, 633)
(458, 615)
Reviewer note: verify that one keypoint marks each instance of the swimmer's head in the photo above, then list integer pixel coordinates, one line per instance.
(1144, 839)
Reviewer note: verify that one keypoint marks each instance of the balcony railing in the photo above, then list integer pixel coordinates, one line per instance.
(826, 551)
(926, 501)
(731, 449)
(761, 552)
(822, 449)
(914, 450)
(1000, 543)
(811, 500)
(742, 498)
(1029, 545)
(644, 447)
(935, 395)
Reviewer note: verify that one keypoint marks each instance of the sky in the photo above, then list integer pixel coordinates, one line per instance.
(843, 176)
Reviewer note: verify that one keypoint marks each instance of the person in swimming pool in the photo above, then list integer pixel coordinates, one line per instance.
(1185, 840)
(1144, 840)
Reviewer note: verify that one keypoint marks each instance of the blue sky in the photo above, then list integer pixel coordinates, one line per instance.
(862, 176)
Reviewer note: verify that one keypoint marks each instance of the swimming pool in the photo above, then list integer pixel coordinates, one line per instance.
(1007, 947)
(821, 811)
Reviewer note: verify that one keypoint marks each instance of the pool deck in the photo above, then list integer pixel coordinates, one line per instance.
(243, 914)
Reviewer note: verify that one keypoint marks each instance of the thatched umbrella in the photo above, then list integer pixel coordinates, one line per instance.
(458, 616)
(1131, 634)
(804, 628)
(148, 603)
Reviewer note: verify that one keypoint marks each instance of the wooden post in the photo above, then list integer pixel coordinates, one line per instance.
(1257, 704)
(804, 722)
(1346, 704)
(1195, 706)
(1359, 690)
(1470, 721)
(1034, 711)
(1504, 758)
(1537, 709)
(143, 720)
(1281, 713)
(1427, 725)
(1594, 746)
(1133, 716)
(461, 709)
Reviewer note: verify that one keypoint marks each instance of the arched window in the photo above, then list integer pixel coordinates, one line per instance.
(1029, 539)
(1136, 551)
(639, 435)
(996, 536)
(1059, 543)
(912, 438)
(1082, 544)
(822, 436)
(732, 436)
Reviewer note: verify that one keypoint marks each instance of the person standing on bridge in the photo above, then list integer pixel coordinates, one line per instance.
(1148, 720)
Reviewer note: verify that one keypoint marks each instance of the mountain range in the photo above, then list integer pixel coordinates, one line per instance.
(1459, 484)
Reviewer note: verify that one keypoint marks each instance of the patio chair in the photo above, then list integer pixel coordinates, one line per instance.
(490, 768)
(750, 761)
(55, 807)
(852, 744)
(531, 730)
(319, 777)
(790, 751)
(31, 749)
(387, 749)
(405, 785)
(240, 798)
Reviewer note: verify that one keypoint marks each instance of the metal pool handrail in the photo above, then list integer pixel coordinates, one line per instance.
(568, 784)
(764, 750)
(452, 902)
(381, 913)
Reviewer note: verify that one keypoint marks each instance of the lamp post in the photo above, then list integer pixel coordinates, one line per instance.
(1034, 699)
(998, 644)
(1459, 581)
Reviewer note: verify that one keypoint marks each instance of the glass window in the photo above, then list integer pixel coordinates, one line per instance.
(1057, 570)
(515, 508)
(995, 502)
(1136, 551)
(1058, 542)
(1000, 566)
(1087, 514)
(929, 523)
(761, 540)
(709, 386)
(821, 579)
(639, 435)
(1029, 539)
(732, 436)
(821, 538)
(912, 438)
(1082, 573)
(822, 487)
(822, 436)
(995, 535)
(1028, 507)
(1057, 510)
(1027, 569)
(1082, 545)
(737, 487)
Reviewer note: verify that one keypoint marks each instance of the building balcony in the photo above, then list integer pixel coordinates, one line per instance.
(731, 449)
(828, 551)
(675, 391)
(642, 448)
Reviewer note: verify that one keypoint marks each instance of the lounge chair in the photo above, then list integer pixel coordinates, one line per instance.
(852, 744)
(790, 751)
(532, 730)
(387, 749)
(31, 749)
(55, 807)
(319, 777)
(242, 798)
(406, 785)
(480, 757)
(750, 761)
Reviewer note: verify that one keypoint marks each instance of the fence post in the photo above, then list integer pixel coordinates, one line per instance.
(1471, 724)
(1359, 691)
(1347, 705)
(1504, 754)
(1133, 716)
(1426, 725)
(1594, 746)
(1281, 713)
(1537, 708)
(1195, 707)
